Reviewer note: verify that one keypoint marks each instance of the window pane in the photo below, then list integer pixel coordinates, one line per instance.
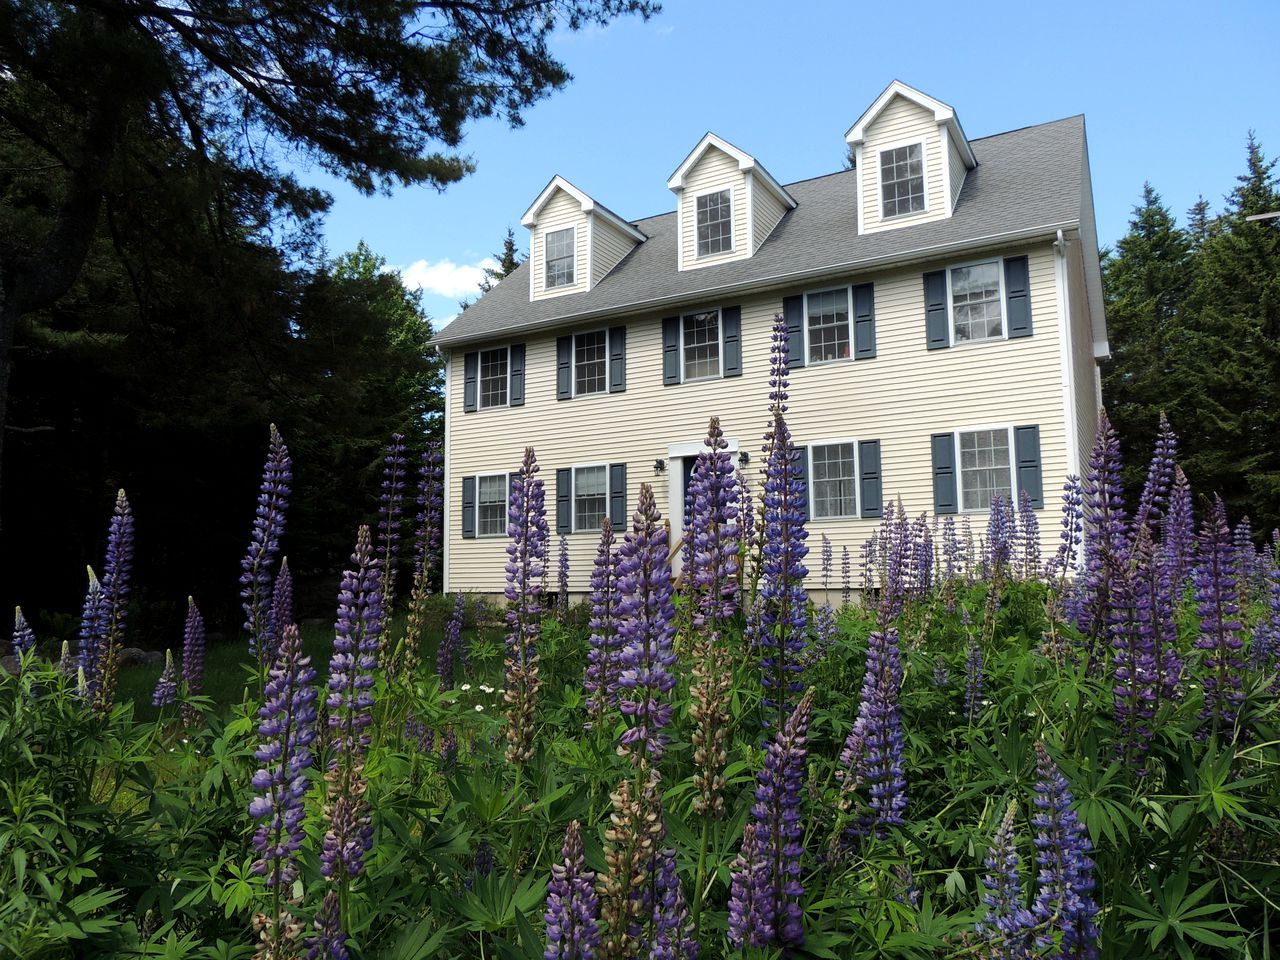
(834, 487)
(702, 345)
(715, 223)
(590, 354)
(902, 180)
(828, 325)
(491, 505)
(975, 302)
(590, 497)
(493, 377)
(559, 254)
(984, 468)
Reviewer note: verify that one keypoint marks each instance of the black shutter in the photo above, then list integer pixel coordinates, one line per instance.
(871, 488)
(944, 473)
(935, 310)
(470, 382)
(670, 350)
(564, 501)
(564, 367)
(1017, 296)
(793, 313)
(731, 321)
(468, 507)
(801, 471)
(618, 360)
(618, 496)
(864, 321)
(516, 354)
(1026, 443)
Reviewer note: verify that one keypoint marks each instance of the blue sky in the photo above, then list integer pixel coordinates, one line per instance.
(1169, 92)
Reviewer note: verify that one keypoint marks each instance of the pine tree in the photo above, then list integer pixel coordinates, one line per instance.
(508, 260)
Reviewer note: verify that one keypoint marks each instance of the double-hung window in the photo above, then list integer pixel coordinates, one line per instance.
(590, 362)
(700, 350)
(558, 250)
(494, 377)
(902, 180)
(833, 477)
(715, 223)
(590, 497)
(985, 467)
(491, 505)
(827, 318)
(976, 302)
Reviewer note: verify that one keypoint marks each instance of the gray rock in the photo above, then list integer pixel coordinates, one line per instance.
(9, 664)
(134, 657)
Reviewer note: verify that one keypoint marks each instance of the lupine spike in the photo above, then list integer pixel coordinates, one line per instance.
(605, 644)
(1029, 536)
(751, 896)
(116, 574)
(193, 648)
(826, 561)
(282, 599)
(1072, 531)
(450, 643)
(880, 723)
(167, 686)
(24, 638)
(646, 626)
(1064, 903)
(562, 580)
(631, 848)
(712, 536)
(1130, 621)
(573, 909)
(1154, 502)
(673, 933)
(846, 571)
(527, 536)
(428, 537)
(1265, 651)
(1218, 605)
(330, 940)
(1007, 922)
(974, 679)
(390, 517)
(1106, 539)
(1178, 532)
(93, 633)
(264, 544)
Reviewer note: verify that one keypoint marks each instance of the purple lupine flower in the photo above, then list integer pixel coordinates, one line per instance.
(751, 895)
(826, 559)
(846, 571)
(264, 544)
(880, 720)
(895, 553)
(1265, 649)
(1072, 530)
(776, 814)
(1130, 622)
(746, 517)
(908, 893)
(390, 516)
(1007, 922)
(562, 580)
(282, 599)
(330, 940)
(868, 559)
(93, 633)
(1178, 532)
(921, 558)
(1064, 902)
(1028, 537)
(450, 643)
(1157, 602)
(1218, 605)
(116, 572)
(24, 638)
(712, 537)
(167, 686)
(573, 909)
(527, 539)
(825, 630)
(1001, 535)
(449, 749)
(941, 675)
(428, 536)
(646, 627)
(605, 644)
(951, 560)
(1246, 557)
(974, 677)
(1155, 492)
(287, 729)
(967, 552)
(193, 647)
(673, 933)
(1106, 532)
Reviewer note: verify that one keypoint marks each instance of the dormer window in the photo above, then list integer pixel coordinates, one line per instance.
(715, 223)
(559, 252)
(902, 180)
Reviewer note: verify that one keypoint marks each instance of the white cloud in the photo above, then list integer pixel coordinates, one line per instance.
(444, 277)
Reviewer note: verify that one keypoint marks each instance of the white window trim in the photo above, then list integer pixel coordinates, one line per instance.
(848, 293)
(923, 143)
(719, 312)
(546, 260)
(480, 404)
(573, 363)
(573, 496)
(733, 234)
(506, 479)
(857, 478)
(1004, 304)
(1013, 472)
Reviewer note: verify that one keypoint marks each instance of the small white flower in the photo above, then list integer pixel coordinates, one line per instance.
(465, 687)
(479, 707)
(486, 688)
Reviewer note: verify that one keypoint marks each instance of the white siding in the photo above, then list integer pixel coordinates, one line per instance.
(899, 124)
(715, 170)
(608, 246)
(900, 397)
(559, 212)
(767, 210)
(957, 170)
(1084, 366)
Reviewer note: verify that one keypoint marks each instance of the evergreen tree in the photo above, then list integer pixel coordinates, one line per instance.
(508, 260)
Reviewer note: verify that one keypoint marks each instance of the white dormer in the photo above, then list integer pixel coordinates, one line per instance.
(911, 156)
(728, 204)
(574, 241)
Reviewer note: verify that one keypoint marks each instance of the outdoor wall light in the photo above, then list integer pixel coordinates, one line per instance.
(659, 466)
(744, 458)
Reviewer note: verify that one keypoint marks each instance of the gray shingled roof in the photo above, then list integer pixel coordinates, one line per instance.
(1027, 183)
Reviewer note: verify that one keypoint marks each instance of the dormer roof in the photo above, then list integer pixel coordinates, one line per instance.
(745, 162)
(587, 204)
(942, 114)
